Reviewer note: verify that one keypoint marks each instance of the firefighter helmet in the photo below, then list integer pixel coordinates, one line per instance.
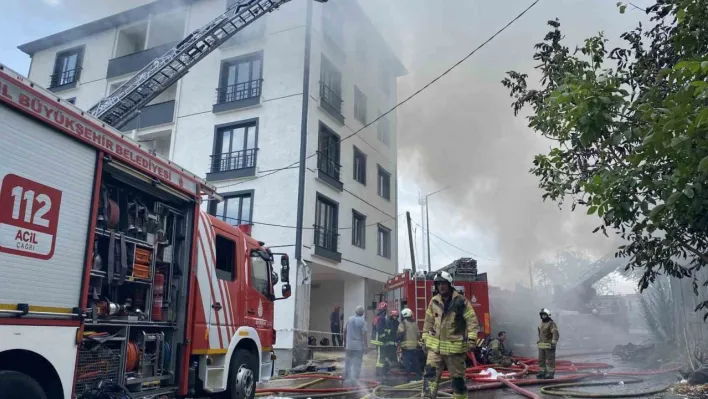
(382, 306)
(545, 311)
(394, 313)
(443, 277)
(406, 313)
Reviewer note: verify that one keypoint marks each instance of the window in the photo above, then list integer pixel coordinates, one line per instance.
(67, 67)
(358, 229)
(240, 79)
(71, 100)
(326, 233)
(333, 24)
(359, 105)
(235, 209)
(384, 183)
(359, 166)
(328, 157)
(225, 258)
(383, 130)
(384, 76)
(235, 147)
(384, 242)
(255, 30)
(361, 48)
(260, 279)
(331, 89)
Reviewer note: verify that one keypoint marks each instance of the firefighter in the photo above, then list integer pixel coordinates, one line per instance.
(408, 336)
(547, 339)
(449, 332)
(390, 346)
(497, 353)
(382, 338)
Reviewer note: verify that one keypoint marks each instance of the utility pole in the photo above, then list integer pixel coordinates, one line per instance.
(427, 230)
(410, 240)
(531, 275)
(427, 222)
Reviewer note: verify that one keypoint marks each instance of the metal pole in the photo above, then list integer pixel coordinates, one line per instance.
(427, 231)
(410, 240)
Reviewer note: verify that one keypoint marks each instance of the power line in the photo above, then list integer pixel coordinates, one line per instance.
(455, 246)
(425, 87)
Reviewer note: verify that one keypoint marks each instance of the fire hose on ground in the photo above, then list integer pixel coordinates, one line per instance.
(371, 389)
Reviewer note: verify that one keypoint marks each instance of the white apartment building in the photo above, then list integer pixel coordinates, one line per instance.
(295, 84)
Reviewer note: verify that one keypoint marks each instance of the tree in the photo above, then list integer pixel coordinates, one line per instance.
(566, 270)
(630, 135)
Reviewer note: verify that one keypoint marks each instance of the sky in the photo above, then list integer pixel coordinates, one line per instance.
(459, 134)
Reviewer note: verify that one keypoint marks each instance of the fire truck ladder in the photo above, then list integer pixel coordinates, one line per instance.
(421, 298)
(126, 101)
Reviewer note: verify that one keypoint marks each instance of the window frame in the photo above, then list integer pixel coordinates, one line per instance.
(331, 252)
(383, 130)
(360, 101)
(213, 205)
(359, 228)
(226, 275)
(218, 141)
(57, 69)
(361, 156)
(386, 251)
(223, 101)
(380, 187)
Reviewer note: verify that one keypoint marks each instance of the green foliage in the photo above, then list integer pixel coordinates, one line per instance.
(657, 309)
(629, 128)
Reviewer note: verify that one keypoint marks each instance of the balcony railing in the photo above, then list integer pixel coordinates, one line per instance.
(328, 166)
(330, 98)
(326, 238)
(64, 78)
(239, 91)
(233, 160)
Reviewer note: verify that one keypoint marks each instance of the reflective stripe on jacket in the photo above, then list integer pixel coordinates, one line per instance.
(409, 334)
(448, 332)
(547, 334)
(382, 334)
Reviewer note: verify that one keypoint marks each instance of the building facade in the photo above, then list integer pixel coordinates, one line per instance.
(297, 83)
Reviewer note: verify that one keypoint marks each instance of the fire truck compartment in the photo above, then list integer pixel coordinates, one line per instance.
(46, 182)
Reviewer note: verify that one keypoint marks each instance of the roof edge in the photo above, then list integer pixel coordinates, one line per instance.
(100, 25)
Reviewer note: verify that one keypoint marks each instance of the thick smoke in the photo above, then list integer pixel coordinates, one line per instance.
(462, 131)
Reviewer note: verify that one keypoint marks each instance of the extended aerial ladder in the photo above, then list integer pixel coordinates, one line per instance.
(124, 103)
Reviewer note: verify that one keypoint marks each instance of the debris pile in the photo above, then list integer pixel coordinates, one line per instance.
(635, 353)
(689, 390)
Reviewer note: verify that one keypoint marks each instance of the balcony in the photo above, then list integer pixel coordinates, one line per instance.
(326, 243)
(328, 170)
(64, 80)
(240, 95)
(152, 115)
(331, 102)
(136, 61)
(232, 165)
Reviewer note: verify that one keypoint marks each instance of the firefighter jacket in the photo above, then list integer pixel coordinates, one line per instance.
(497, 351)
(547, 334)
(383, 333)
(408, 334)
(449, 325)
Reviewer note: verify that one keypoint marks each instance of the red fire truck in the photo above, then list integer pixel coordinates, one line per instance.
(109, 271)
(414, 291)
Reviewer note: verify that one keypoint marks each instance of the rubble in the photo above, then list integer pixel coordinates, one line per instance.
(635, 353)
(687, 390)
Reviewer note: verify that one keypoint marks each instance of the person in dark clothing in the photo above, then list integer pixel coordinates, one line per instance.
(335, 326)
(391, 348)
(382, 337)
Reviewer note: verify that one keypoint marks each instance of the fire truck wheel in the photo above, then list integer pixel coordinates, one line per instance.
(16, 385)
(243, 375)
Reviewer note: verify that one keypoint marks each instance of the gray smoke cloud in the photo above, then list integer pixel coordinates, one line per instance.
(462, 131)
